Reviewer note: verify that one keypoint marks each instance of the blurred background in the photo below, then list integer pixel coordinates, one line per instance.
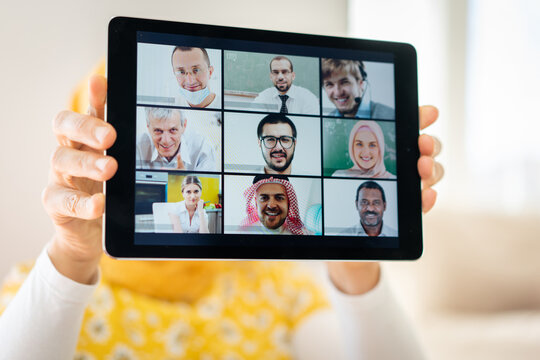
(475, 293)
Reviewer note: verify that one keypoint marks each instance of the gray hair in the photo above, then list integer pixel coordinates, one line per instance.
(162, 113)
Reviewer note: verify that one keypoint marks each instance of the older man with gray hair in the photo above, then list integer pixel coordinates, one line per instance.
(168, 145)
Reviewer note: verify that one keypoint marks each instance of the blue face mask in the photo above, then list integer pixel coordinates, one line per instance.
(195, 97)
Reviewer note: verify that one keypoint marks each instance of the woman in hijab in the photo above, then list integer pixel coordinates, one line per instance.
(366, 150)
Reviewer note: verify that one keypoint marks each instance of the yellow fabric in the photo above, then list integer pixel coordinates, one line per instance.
(168, 280)
(249, 312)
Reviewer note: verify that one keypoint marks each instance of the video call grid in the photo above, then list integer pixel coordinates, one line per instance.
(224, 173)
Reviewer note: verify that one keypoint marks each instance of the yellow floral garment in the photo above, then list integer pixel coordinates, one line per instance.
(249, 312)
(237, 310)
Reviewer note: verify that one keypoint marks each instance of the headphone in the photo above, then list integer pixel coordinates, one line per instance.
(364, 80)
(362, 71)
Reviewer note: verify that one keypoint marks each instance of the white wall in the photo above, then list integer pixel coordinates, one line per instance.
(436, 29)
(47, 47)
(502, 94)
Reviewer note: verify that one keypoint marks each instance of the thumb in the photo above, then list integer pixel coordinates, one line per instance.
(97, 89)
(180, 163)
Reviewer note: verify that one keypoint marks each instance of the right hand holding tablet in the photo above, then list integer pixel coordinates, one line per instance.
(74, 196)
(360, 277)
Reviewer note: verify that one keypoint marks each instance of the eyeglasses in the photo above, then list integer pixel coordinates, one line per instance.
(182, 73)
(270, 142)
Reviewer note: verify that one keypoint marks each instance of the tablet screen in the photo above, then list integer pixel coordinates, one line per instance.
(249, 139)
(265, 138)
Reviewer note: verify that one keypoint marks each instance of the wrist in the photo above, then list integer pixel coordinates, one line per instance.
(80, 269)
(354, 278)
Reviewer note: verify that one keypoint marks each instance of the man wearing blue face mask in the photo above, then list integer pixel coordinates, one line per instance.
(193, 71)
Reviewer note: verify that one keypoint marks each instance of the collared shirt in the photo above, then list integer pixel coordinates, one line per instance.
(189, 226)
(196, 151)
(370, 110)
(300, 101)
(358, 230)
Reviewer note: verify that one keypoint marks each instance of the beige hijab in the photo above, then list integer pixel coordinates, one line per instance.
(379, 170)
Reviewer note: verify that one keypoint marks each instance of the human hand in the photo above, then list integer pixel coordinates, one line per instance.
(431, 171)
(74, 196)
(360, 277)
(179, 163)
(200, 206)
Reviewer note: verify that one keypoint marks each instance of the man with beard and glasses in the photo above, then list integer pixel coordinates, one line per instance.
(285, 97)
(277, 140)
(272, 207)
(371, 204)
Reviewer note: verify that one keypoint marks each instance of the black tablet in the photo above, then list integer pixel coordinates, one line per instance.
(248, 144)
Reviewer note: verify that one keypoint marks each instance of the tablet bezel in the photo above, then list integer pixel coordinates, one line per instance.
(119, 219)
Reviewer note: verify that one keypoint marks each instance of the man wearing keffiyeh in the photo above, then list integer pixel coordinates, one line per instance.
(272, 207)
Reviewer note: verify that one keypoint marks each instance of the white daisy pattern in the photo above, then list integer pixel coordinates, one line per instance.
(98, 329)
(176, 338)
(122, 352)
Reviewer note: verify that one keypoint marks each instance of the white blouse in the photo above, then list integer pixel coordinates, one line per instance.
(189, 226)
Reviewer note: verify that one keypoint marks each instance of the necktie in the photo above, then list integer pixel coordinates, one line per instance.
(283, 109)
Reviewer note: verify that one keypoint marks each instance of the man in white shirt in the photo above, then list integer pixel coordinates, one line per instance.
(193, 71)
(371, 204)
(285, 97)
(169, 145)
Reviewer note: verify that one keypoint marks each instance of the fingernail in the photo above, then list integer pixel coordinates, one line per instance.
(100, 133)
(101, 163)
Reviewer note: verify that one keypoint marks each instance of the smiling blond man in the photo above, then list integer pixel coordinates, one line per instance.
(345, 83)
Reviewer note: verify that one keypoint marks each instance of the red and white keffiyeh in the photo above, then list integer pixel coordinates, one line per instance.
(293, 222)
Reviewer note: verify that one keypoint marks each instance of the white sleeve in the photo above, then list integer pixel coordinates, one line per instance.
(369, 326)
(44, 318)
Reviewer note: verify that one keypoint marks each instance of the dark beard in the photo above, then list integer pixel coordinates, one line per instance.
(279, 168)
(284, 91)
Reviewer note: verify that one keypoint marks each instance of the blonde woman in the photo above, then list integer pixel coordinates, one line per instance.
(190, 216)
